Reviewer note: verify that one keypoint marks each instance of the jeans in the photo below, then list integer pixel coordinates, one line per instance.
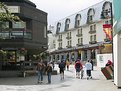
(89, 73)
(49, 77)
(40, 75)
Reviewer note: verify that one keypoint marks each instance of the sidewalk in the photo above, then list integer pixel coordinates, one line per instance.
(70, 83)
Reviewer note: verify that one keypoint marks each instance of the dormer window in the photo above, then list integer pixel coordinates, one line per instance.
(106, 11)
(77, 20)
(67, 22)
(58, 27)
(90, 15)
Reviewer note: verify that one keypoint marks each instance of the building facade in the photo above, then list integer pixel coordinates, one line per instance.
(81, 35)
(28, 36)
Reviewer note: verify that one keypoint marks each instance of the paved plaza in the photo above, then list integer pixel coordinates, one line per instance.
(70, 83)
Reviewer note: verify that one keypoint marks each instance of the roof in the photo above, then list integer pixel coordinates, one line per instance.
(97, 9)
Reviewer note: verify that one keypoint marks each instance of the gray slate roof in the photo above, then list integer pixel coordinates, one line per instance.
(97, 8)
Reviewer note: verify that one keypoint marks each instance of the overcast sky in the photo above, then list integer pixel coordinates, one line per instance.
(59, 9)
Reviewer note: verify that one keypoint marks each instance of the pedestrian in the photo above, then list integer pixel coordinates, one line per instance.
(78, 67)
(40, 70)
(67, 64)
(91, 61)
(62, 68)
(109, 63)
(88, 66)
(49, 72)
(53, 64)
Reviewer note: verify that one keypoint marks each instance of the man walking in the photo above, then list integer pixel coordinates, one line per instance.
(62, 68)
(40, 68)
(48, 72)
(88, 66)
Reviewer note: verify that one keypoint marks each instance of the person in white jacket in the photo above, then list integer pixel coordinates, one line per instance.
(88, 66)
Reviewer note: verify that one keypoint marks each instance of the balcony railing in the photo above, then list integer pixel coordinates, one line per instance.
(68, 46)
(68, 37)
(59, 48)
(92, 42)
(92, 31)
(79, 44)
(15, 34)
(59, 39)
(79, 35)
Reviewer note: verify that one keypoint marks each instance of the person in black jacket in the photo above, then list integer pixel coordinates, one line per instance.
(62, 68)
(48, 72)
(91, 61)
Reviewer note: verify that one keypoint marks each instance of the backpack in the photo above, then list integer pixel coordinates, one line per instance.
(61, 65)
(77, 65)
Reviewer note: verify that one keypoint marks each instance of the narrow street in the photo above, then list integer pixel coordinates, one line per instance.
(70, 83)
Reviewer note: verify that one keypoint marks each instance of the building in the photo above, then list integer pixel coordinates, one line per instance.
(20, 40)
(81, 35)
(117, 43)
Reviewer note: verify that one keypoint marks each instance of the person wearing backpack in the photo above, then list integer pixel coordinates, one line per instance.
(62, 68)
(78, 67)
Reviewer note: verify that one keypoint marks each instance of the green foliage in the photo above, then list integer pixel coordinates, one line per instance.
(5, 15)
(44, 55)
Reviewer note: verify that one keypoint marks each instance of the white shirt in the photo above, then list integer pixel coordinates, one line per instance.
(88, 66)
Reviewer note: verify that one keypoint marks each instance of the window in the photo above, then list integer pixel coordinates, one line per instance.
(93, 38)
(80, 40)
(69, 43)
(93, 27)
(58, 27)
(79, 31)
(90, 18)
(67, 24)
(45, 33)
(54, 45)
(106, 10)
(19, 24)
(90, 15)
(77, 20)
(60, 36)
(60, 44)
(69, 35)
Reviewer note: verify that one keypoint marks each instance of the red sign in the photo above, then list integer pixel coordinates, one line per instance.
(107, 28)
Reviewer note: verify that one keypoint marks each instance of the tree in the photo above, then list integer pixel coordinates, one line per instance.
(5, 15)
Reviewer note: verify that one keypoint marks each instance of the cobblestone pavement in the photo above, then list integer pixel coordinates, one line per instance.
(70, 83)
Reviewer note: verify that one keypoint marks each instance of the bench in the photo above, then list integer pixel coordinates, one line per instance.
(29, 72)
